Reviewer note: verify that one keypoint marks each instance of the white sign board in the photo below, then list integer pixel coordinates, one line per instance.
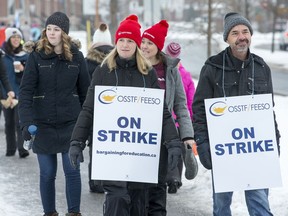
(243, 143)
(127, 133)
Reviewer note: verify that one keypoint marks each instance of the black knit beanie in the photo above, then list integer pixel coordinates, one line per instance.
(59, 19)
(232, 19)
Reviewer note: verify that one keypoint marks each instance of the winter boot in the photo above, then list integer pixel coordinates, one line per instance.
(23, 153)
(73, 214)
(174, 186)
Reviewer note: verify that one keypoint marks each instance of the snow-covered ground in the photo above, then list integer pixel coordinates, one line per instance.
(196, 193)
(201, 186)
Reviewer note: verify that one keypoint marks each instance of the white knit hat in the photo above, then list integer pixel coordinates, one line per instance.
(102, 35)
(9, 32)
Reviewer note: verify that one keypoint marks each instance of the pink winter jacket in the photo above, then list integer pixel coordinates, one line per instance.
(189, 87)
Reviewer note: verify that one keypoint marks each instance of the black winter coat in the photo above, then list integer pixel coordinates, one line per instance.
(3, 77)
(126, 74)
(238, 77)
(52, 92)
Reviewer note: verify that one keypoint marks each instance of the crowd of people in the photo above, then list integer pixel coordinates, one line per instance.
(49, 83)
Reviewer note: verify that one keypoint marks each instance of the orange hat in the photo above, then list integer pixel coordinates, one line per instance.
(129, 28)
(157, 33)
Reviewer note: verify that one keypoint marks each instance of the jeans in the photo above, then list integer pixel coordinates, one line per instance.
(256, 201)
(48, 170)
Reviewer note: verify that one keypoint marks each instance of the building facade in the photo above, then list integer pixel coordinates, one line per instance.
(35, 12)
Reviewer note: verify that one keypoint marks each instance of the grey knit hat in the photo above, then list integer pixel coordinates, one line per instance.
(59, 19)
(232, 19)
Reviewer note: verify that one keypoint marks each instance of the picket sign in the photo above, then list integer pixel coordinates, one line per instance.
(127, 132)
(243, 143)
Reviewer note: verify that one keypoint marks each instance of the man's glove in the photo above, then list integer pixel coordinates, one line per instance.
(203, 149)
(75, 153)
(174, 153)
(26, 134)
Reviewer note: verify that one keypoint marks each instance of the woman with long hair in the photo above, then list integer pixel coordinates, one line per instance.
(52, 91)
(14, 60)
(124, 66)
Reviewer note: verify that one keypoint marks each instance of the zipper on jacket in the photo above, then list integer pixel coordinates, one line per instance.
(39, 96)
(70, 66)
(45, 66)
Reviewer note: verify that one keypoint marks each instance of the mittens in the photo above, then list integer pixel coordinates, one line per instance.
(26, 134)
(76, 153)
(203, 150)
(174, 153)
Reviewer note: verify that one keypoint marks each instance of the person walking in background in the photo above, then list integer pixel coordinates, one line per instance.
(169, 79)
(234, 71)
(173, 49)
(174, 178)
(6, 103)
(101, 46)
(14, 60)
(52, 91)
(26, 30)
(2, 33)
(124, 66)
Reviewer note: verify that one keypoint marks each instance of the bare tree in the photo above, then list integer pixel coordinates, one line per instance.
(113, 15)
(209, 28)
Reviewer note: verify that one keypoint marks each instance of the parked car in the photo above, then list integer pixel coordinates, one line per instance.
(283, 40)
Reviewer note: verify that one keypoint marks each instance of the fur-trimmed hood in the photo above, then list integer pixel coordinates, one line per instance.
(96, 50)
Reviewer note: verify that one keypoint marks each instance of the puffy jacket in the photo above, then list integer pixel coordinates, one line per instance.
(237, 76)
(14, 78)
(3, 77)
(51, 94)
(126, 74)
(189, 87)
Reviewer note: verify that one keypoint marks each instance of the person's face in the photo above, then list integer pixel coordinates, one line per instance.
(15, 41)
(239, 39)
(126, 47)
(148, 48)
(54, 35)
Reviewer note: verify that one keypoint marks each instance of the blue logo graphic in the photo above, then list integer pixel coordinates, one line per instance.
(107, 96)
(218, 108)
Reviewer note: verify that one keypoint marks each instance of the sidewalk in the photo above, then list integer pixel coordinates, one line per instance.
(19, 189)
(19, 185)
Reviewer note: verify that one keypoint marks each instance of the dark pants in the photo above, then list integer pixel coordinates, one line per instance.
(94, 185)
(123, 201)
(157, 195)
(13, 132)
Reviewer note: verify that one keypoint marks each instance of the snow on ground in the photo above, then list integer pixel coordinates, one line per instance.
(199, 190)
(278, 196)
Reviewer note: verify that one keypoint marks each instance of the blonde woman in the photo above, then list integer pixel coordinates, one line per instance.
(124, 66)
